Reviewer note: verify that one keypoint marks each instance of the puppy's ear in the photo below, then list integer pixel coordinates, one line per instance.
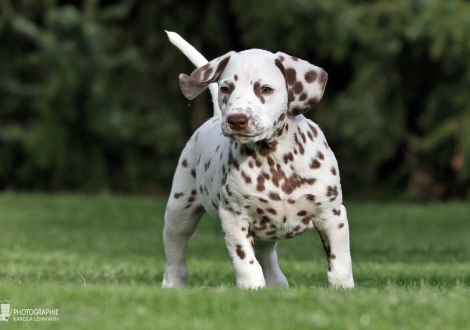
(305, 83)
(193, 85)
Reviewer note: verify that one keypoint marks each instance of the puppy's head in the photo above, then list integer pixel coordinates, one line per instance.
(257, 89)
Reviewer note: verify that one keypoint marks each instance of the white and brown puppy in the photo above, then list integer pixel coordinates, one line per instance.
(258, 166)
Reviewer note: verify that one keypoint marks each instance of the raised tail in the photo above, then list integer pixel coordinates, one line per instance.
(198, 60)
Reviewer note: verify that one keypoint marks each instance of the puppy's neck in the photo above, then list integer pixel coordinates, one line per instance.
(282, 134)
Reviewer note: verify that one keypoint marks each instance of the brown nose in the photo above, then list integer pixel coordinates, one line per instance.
(237, 122)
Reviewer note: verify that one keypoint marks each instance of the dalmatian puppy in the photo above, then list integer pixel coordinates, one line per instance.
(259, 167)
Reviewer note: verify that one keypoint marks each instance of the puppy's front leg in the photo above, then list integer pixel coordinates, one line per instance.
(334, 233)
(239, 241)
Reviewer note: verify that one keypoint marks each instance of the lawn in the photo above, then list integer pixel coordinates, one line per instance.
(99, 260)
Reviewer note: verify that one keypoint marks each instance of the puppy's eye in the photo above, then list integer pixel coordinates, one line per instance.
(266, 90)
(225, 89)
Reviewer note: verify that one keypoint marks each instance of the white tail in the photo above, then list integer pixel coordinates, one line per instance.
(198, 60)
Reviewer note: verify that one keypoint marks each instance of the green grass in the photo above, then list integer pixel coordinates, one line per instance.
(99, 260)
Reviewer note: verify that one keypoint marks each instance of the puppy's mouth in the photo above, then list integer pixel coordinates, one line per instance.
(244, 137)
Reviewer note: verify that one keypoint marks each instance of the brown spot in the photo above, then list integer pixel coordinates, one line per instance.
(311, 102)
(273, 145)
(302, 213)
(306, 221)
(288, 157)
(284, 219)
(297, 110)
(291, 76)
(256, 89)
(291, 201)
(178, 195)
(207, 165)
(193, 173)
(243, 229)
(236, 164)
(240, 252)
(298, 87)
(272, 211)
(262, 200)
(333, 171)
(260, 186)
(310, 136)
(314, 164)
(188, 206)
(274, 196)
(264, 151)
(299, 144)
(250, 164)
(313, 129)
(230, 158)
(259, 211)
(294, 58)
(320, 155)
(265, 219)
(332, 192)
(184, 163)
(271, 232)
(251, 262)
(191, 199)
(333, 257)
(311, 197)
(235, 77)
(329, 269)
(336, 212)
(310, 76)
(227, 188)
(341, 225)
(246, 177)
(193, 192)
(297, 228)
(271, 162)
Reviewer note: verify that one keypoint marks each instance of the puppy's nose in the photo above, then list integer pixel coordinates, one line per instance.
(237, 122)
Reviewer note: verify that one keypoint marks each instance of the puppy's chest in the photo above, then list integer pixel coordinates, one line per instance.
(271, 193)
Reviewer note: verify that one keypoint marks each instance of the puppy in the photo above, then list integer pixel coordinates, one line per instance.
(259, 167)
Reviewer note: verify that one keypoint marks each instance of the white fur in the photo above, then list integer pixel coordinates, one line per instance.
(272, 179)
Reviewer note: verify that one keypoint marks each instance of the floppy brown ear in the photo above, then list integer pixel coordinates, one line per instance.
(305, 83)
(193, 85)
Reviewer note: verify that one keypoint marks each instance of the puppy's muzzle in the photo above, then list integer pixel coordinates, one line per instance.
(237, 122)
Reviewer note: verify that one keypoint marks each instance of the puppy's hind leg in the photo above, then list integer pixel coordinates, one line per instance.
(182, 216)
(267, 257)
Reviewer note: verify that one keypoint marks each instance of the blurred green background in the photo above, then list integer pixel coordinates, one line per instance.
(90, 100)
